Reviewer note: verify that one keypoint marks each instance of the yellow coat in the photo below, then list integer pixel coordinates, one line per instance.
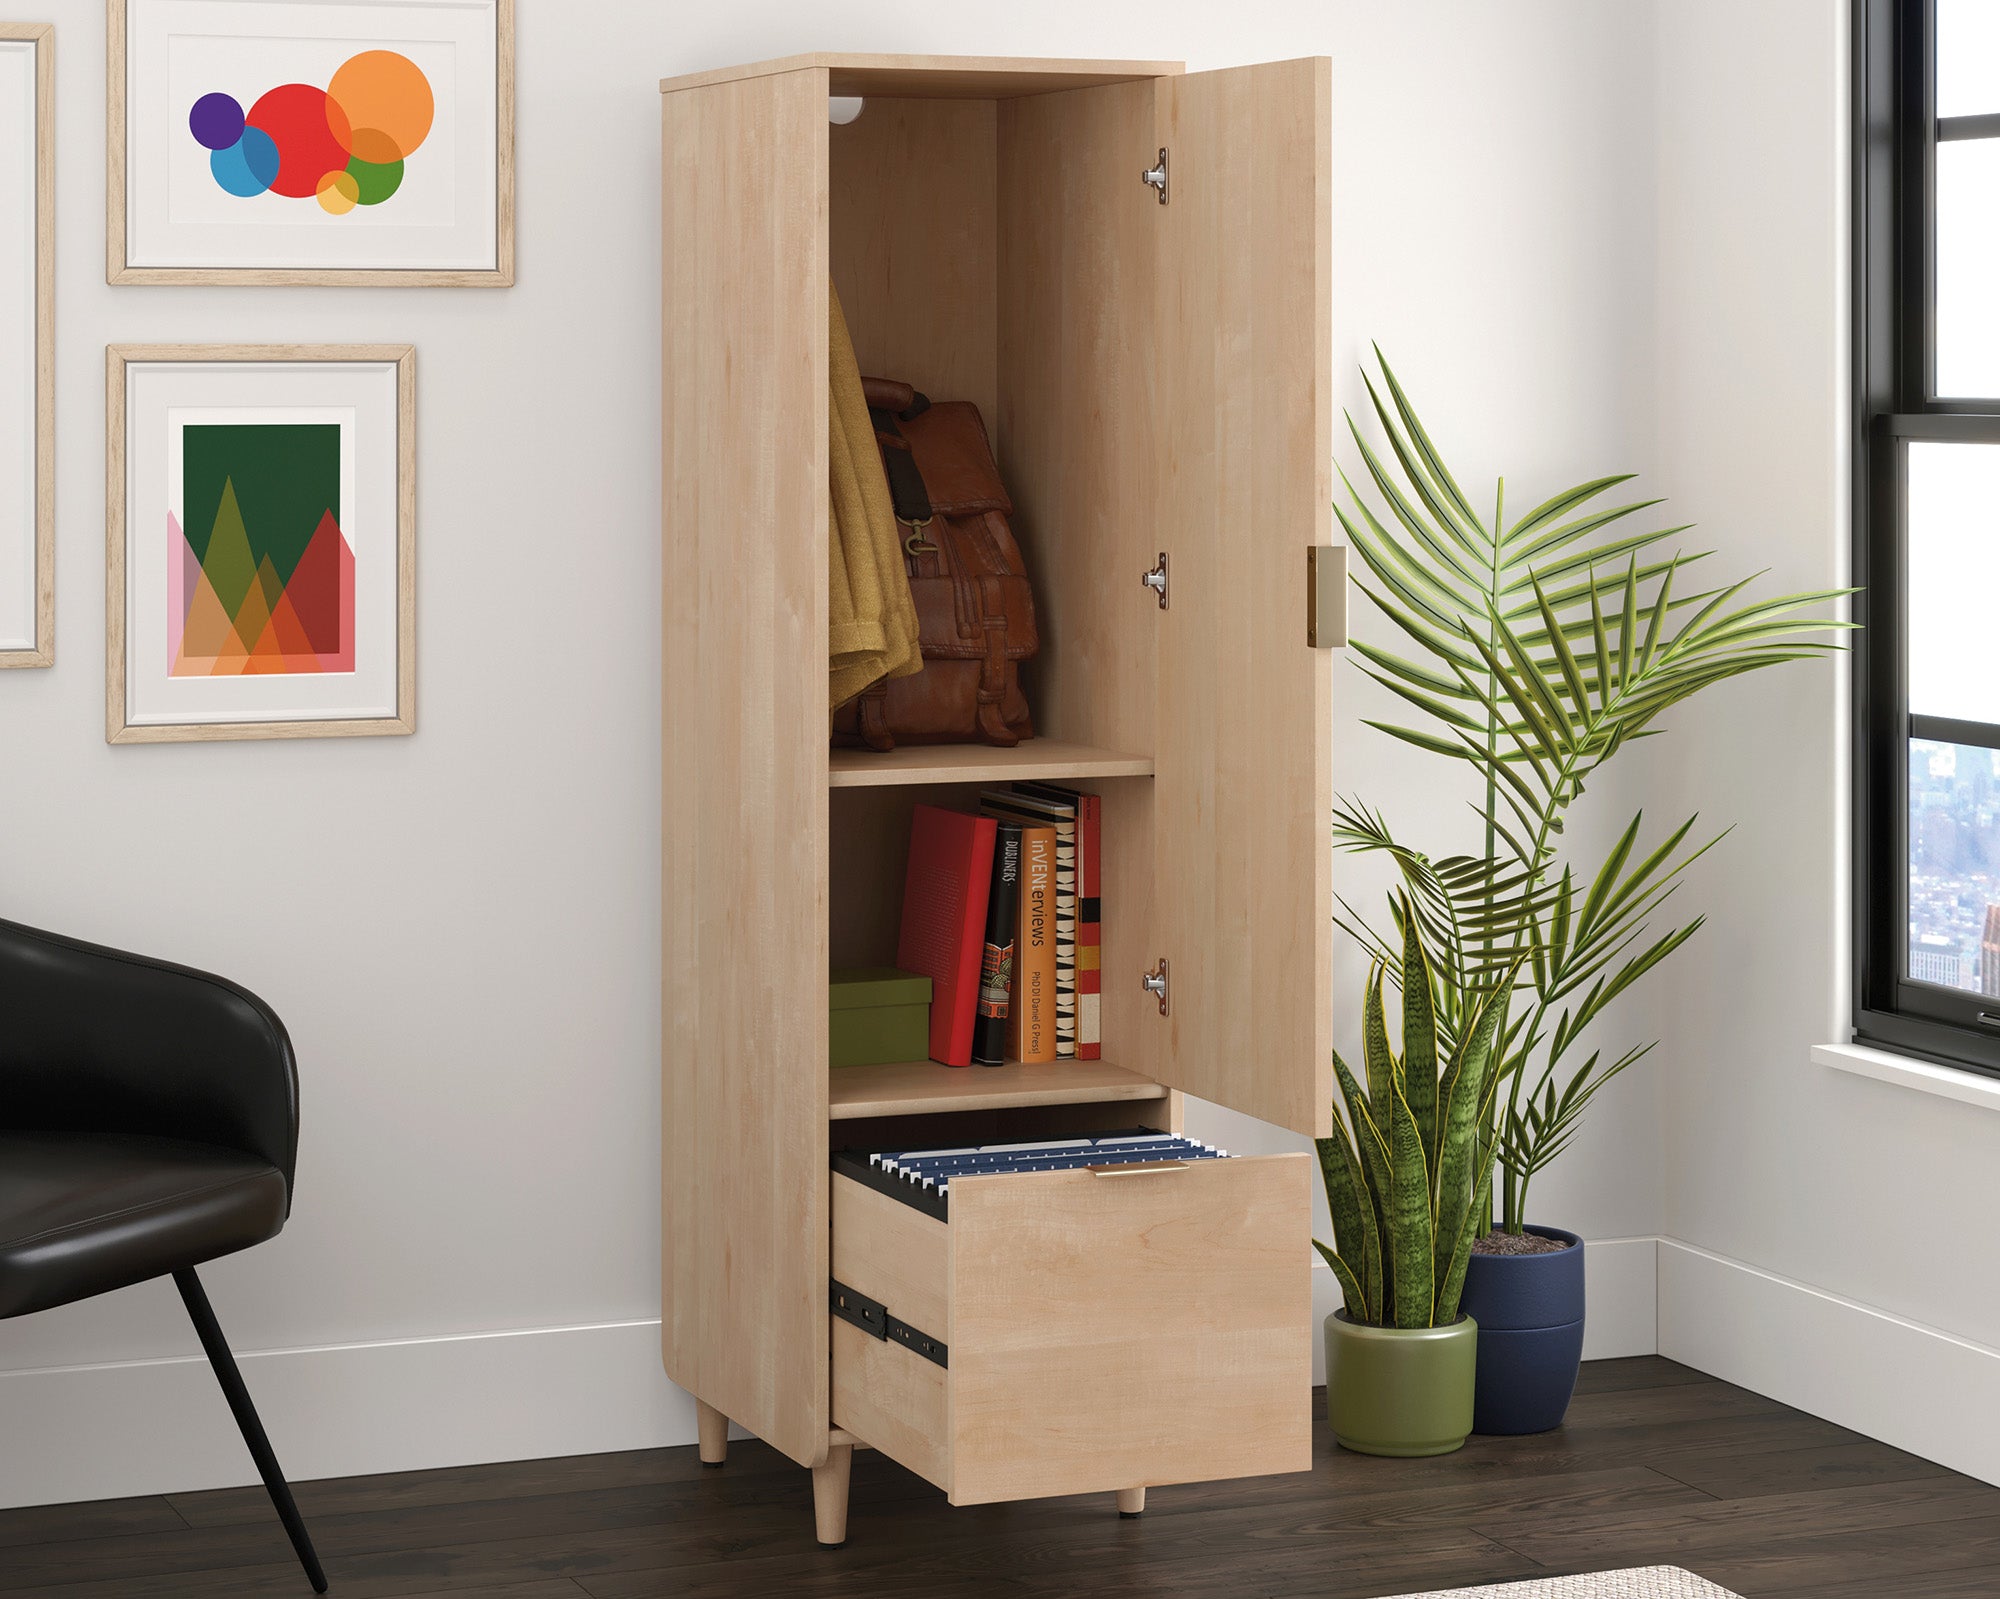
(874, 623)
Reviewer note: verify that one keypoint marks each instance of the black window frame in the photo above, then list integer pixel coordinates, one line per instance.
(1895, 136)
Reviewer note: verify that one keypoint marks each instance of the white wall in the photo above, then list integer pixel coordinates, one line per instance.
(461, 928)
(1801, 1199)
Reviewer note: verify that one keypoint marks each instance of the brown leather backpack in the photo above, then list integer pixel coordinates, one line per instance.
(975, 609)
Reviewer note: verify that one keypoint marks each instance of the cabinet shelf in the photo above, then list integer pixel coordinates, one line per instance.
(922, 1087)
(1043, 758)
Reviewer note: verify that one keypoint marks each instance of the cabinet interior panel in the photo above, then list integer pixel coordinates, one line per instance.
(911, 242)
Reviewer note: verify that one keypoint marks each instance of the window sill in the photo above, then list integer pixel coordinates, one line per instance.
(1968, 1088)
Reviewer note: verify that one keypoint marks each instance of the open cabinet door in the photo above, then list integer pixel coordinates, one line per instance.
(1244, 443)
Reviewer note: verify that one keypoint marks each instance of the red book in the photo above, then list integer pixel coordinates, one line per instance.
(944, 920)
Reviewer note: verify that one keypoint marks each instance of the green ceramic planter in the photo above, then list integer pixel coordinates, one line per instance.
(1400, 1390)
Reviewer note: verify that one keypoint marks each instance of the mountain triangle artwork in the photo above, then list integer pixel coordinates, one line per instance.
(261, 579)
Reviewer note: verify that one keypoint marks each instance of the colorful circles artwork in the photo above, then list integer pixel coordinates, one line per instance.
(343, 145)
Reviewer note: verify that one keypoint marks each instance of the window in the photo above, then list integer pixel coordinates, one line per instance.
(1927, 527)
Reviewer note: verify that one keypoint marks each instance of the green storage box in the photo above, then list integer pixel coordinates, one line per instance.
(879, 1016)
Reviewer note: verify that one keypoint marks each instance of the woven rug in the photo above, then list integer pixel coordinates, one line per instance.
(1651, 1582)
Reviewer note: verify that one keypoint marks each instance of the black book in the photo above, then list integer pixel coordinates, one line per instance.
(1029, 806)
(996, 966)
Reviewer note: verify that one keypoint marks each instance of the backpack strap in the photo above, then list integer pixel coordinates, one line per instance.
(906, 483)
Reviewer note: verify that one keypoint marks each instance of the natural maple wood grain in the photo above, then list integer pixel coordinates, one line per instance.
(743, 739)
(922, 1087)
(830, 1478)
(1066, 1300)
(1111, 1332)
(712, 1429)
(118, 268)
(883, 1393)
(935, 77)
(1243, 749)
(894, 1254)
(911, 243)
(1044, 760)
(894, 1399)
(1079, 236)
(43, 36)
(117, 358)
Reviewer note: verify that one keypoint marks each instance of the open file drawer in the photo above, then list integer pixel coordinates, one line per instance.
(1081, 1330)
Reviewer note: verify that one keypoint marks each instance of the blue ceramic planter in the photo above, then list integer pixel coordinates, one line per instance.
(1530, 1314)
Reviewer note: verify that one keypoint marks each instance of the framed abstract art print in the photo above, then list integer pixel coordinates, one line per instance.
(260, 541)
(27, 344)
(310, 141)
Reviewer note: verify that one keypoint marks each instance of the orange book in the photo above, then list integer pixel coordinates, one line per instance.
(1031, 1016)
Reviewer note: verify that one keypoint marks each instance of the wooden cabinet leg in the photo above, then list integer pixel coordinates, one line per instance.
(1131, 1501)
(714, 1427)
(830, 1495)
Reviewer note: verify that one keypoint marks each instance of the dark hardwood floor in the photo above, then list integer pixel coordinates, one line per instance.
(1657, 1465)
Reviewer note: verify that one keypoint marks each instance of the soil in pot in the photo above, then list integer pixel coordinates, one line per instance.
(1499, 1243)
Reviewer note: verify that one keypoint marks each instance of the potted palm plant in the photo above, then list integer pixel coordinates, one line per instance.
(1409, 1178)
(1541, 648)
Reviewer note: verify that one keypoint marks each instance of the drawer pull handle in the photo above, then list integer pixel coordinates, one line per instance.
(1137, 1168)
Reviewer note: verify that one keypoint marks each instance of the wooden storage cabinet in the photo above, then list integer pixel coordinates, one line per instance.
(1155, 378)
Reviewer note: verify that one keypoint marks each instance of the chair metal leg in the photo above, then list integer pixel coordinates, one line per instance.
(205, 1325)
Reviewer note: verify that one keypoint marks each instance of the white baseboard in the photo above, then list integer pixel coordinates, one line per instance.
(1621, 1286)
(1622, 1293)
(159, 1426)
(1913, 1386)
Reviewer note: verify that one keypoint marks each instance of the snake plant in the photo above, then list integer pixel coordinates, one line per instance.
(1542, 648)
(1409, 1175)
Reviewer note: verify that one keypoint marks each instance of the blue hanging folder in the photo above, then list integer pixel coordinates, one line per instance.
(923, 1177)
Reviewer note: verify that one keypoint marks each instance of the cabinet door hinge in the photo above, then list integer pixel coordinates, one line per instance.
(1156, 580)
(1155, 983)
(1155, 176)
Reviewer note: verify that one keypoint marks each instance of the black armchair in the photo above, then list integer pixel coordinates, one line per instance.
(148, 1123)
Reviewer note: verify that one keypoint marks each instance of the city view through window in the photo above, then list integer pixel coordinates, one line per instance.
(1955, 866)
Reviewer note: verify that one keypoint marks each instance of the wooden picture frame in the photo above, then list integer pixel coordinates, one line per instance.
(41, 526)
(122, 724)
(120, 222)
